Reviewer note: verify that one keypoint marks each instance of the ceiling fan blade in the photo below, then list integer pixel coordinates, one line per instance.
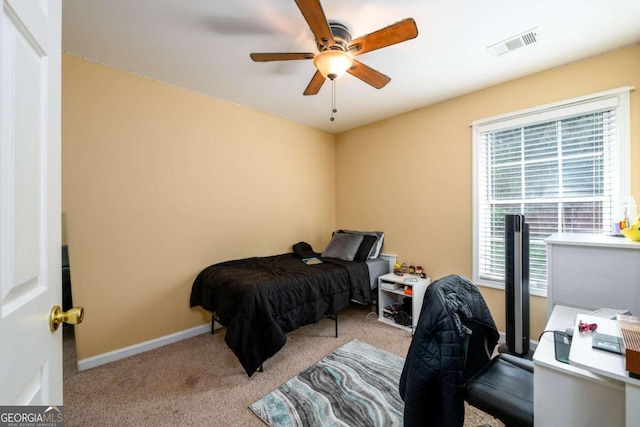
(368, 75)
(394, 33)
(315, 84)
(315, 17)
(266, 57)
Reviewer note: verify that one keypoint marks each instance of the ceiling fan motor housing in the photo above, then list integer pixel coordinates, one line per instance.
(341, 37)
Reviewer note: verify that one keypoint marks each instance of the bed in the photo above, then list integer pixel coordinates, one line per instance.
(260, 299)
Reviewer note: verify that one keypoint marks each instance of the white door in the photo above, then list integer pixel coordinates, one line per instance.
(30, 275)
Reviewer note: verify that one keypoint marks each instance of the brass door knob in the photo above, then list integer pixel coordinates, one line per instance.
(72, 316)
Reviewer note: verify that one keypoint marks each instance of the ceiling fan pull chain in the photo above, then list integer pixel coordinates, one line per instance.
(333, 99)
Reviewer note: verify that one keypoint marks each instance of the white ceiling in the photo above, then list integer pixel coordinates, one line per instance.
(204, 46)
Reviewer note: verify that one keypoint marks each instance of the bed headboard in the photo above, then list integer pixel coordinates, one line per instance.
(391, 259)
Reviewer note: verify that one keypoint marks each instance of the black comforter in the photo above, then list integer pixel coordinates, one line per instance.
(259, 300)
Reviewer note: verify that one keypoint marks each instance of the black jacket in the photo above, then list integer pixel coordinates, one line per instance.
(432, 377)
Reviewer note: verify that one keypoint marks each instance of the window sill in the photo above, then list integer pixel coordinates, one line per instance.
(532, 291)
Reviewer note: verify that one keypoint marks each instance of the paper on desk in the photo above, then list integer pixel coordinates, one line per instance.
(608, 313)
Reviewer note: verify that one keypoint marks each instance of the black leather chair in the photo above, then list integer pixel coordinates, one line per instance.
(501, 386)
(504, 389)
(451, 360)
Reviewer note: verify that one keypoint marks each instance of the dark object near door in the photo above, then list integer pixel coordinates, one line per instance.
(67, 301)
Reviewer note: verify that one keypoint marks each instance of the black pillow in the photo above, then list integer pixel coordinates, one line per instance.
(365, 248)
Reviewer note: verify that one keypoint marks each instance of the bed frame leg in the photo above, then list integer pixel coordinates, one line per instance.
(261, 369)
(212, 325)
(335, 319)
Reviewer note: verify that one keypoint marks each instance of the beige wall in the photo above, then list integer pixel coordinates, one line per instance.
(159, 182)
(411, 175)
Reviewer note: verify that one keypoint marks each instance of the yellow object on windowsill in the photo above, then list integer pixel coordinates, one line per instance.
(633, 232)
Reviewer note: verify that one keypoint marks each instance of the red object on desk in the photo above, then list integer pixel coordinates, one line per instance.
(587, 327)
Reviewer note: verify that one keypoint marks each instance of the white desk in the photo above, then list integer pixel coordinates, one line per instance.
(607, 364)
(567, 395)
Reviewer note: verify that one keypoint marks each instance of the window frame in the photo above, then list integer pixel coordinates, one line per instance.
(616, 97)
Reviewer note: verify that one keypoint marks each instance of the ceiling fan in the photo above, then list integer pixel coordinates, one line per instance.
(337, 48)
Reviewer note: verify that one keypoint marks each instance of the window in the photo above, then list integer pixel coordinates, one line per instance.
(565, 166)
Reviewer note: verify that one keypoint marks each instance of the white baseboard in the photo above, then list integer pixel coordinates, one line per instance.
(112, 356)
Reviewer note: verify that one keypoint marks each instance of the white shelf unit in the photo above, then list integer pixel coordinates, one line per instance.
(388, 297)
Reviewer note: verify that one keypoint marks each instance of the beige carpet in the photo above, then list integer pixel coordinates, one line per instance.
(199, 381)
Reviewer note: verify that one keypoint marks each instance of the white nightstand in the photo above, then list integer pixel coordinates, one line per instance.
(391, 291)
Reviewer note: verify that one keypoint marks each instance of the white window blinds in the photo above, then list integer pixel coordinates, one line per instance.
(558, 165)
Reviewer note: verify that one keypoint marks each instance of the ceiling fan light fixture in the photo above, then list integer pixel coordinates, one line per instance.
(332, 64)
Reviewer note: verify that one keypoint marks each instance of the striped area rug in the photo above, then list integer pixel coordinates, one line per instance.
(356, 385)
